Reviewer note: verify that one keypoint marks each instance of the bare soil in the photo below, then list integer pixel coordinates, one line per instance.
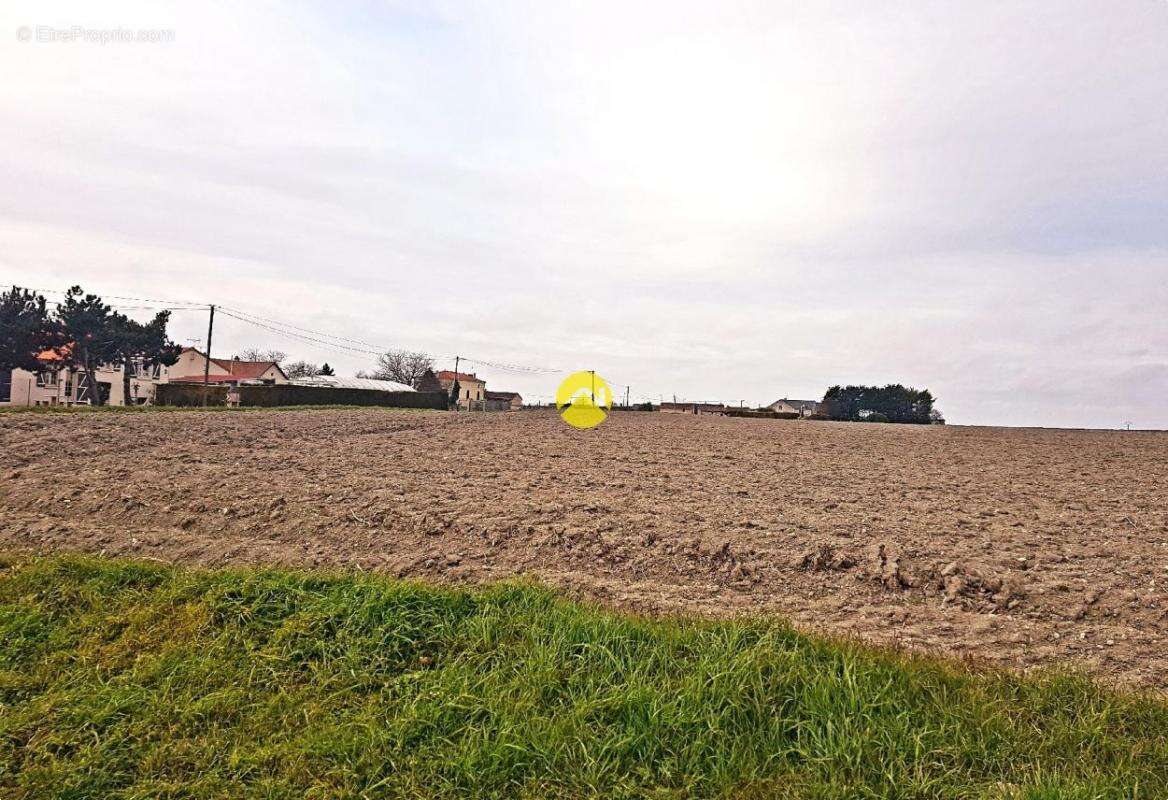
(1018, 546)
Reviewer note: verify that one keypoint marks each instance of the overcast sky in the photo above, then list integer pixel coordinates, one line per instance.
(725, 201)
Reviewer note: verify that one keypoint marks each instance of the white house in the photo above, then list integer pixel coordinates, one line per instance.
(803, 408)
(57, 383)
(192, 364)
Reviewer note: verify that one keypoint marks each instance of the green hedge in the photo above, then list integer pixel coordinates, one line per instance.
(289, 395)
(761, 413)
(191, 395)
(187, 395)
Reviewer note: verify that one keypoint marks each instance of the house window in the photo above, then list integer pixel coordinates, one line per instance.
(46, 378)
(6, 387)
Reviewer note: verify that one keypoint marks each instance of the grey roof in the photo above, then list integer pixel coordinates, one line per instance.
(339, 382)
(796, 403)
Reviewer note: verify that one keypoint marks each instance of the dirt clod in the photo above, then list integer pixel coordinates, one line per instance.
(823, 558)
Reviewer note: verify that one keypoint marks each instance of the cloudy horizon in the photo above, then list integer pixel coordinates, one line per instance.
(734, 202)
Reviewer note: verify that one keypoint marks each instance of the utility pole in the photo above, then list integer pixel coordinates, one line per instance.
(593, 386)
(626, 398)
(454, 386)
(207, 363)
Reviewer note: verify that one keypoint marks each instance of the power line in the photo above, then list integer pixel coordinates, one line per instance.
(302, 330)
(307, 335)
(379, 348)
(298, 336)
(184, 303)
(511, 367)
(159, 308)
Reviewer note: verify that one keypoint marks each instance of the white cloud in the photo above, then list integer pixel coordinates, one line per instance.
(730, 202)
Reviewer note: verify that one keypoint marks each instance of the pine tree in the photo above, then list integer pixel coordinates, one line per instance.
(26, 329)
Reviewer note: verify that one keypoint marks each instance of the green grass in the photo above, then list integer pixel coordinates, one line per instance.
(119, 679)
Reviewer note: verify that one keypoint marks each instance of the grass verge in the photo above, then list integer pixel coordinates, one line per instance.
(119, 679)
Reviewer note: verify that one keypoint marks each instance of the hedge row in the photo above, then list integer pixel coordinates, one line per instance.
(761, 413)
(188, 395)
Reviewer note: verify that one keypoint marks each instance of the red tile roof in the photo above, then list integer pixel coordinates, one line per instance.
(239, 370)
(245, 370)
(448, 375)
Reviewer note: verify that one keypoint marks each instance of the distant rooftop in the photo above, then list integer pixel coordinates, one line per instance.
(791, 402)
(340, 382)
(448, 375)
(240, 370)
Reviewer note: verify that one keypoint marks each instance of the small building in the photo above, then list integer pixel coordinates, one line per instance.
(193, 364)
(694, 408)
(503, 401)
(804, 408)
(472, 390)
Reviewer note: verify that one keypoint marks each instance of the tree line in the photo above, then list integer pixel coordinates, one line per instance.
(891, 403)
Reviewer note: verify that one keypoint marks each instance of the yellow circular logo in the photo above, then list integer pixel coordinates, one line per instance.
(584, 399)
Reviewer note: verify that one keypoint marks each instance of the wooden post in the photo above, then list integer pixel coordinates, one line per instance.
(207, 364)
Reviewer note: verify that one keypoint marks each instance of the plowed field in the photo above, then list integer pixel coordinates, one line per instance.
(1019, 547)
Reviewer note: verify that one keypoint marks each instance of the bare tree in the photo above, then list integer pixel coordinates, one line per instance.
(255, 354)
(403, 366)
(301, 369)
